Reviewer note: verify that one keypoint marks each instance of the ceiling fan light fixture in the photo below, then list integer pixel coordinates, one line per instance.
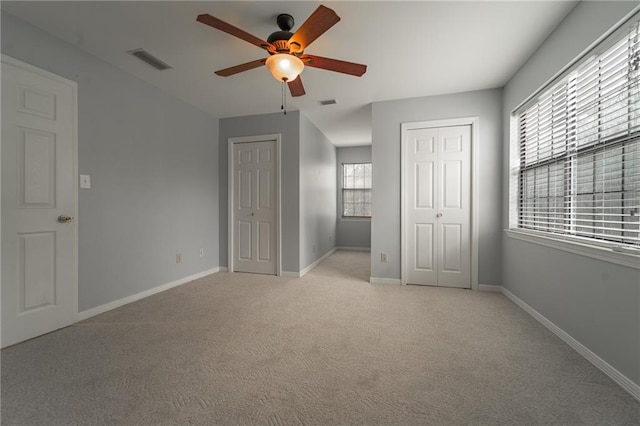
(284, 67)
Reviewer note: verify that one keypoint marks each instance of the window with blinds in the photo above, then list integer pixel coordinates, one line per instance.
(579, 150)
(356, 190)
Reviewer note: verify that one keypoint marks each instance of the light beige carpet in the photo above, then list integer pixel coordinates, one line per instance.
(325, 349)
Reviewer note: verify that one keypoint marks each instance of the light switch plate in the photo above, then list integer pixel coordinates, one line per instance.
(85, 182)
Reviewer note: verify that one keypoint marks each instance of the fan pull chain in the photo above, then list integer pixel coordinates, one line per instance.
(284, 96)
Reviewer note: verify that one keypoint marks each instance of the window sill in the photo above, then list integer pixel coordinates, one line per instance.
(604, 252)
(355, 219)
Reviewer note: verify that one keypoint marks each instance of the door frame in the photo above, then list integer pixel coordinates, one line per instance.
(9, 60)
(474, 122)
(230, 198)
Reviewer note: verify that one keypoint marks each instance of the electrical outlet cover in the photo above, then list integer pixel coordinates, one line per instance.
(85, 182)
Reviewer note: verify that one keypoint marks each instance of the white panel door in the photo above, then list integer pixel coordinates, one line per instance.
(255, 209)
(454, 206)
(438, 206)
(39, 267)
(421, 174)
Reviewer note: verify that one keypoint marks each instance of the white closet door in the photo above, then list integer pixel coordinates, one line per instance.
(438, 206)
(255, 211)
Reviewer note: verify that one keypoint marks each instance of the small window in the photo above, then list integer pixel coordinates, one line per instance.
(356, 190)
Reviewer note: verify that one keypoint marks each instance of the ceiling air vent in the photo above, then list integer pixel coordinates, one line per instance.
(147, 57)
(328, 102)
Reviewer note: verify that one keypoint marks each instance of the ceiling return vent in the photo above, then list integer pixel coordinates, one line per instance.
(328, 102)
(147, 57)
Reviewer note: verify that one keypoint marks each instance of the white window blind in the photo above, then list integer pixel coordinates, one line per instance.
(579, 171)
(356, 190)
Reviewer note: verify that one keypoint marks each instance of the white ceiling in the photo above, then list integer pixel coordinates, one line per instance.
(411, 49)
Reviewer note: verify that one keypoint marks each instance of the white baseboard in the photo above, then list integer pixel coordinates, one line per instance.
(317, 262)
(377, 280)
(223, 269)
(490, 288)
(622, 380)
(306, 270)
(342, 248)
(125, 300)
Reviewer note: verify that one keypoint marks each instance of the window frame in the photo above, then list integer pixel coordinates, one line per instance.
(343, 188)
(613, 252)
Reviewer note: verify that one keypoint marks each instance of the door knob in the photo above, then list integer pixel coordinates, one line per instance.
(439, 215)
(64, 218)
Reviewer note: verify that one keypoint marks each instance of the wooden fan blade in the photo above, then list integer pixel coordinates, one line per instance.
(240, 68)
(334, 65)
(219, 24)
(296, 88)
(320, 21)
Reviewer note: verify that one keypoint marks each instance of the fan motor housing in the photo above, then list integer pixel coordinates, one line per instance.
(279, 35)
(282, 46)
(280, 39)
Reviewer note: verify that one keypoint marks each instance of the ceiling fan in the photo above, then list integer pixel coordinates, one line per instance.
(286, 49)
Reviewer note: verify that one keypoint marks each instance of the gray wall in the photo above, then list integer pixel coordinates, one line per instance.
(317, 193)
(385, 223)
(351, 232)
(267, 124)
(596, 302)
(152, 163)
